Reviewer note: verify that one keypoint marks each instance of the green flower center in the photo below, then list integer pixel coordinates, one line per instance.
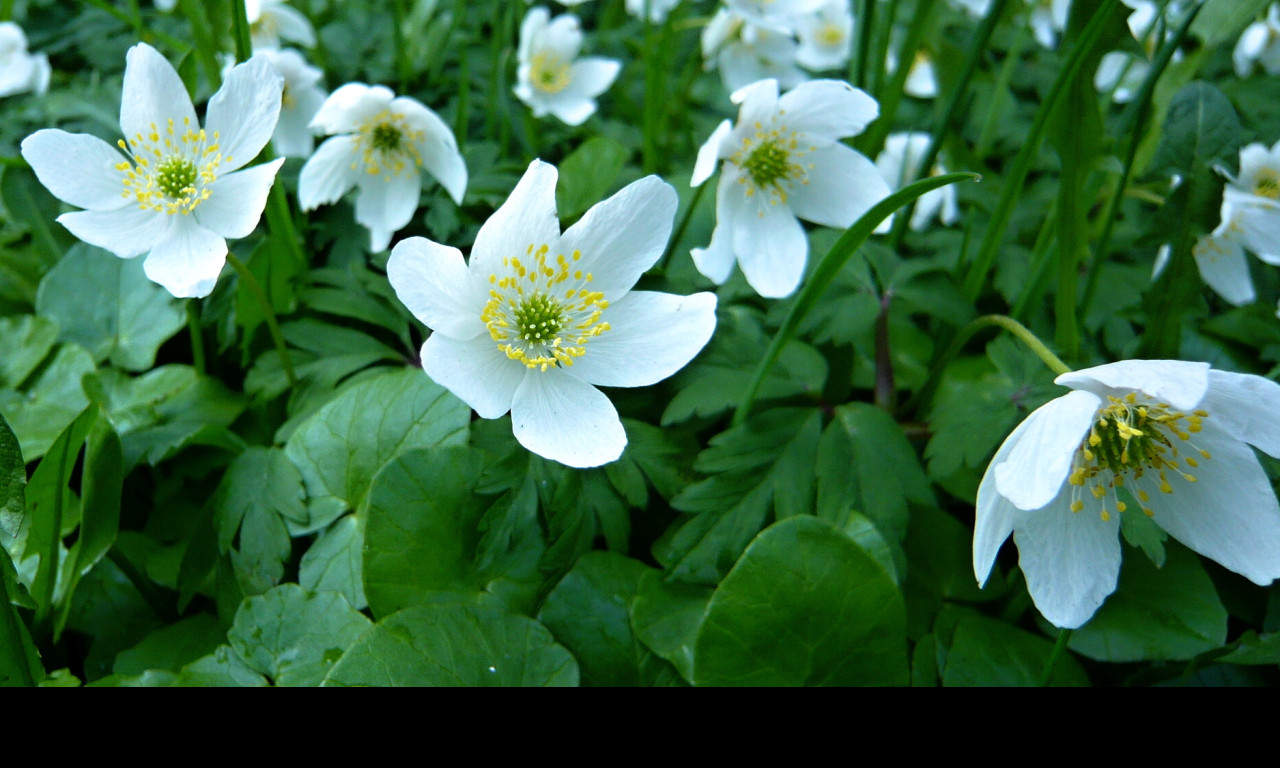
(768, 163)
(1133, 438)
(549, 73)
(770, 160)
(386, 138)
(176, 177)
(541, 310)
(538, 318)
(388, 146)
(1267, 184)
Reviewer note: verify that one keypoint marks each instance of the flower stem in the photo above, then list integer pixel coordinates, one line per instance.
(866, 20)
(142, 33)
(826, 271)
(1064, 637)
(1021, 166)
(404, 67)
(197, 339)
(240, 30)
(206, 49)
(891, 92)
(273, 325)
(1051, 361)
(977, 49)
(683, 224)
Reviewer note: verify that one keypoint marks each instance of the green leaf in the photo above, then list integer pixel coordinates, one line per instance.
(717, 380)
(588, 174)
(261, 488)
(52, 400)
(451, 644)
(221, 669)
(343, 445)
(333, 562)
(172, 646)
(108, 306)
(13, 481)
(421, 530)
(1156, 614)
(28, 340)
(1200, 129)
(1220, 22)
(666, 615)
(804, 606)
(19, 661)
(293, 637)
(589, 612)
(986, 652)
(763, 465)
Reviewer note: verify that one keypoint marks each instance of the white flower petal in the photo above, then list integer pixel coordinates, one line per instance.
(77, 168)
(650, 337)
(528, 217)
(1230, 513)
(717, 259)
(187, 259)
(827, 110)
(1037, 466)
(293, 136)
(620, 238)
(531, 29)
(438, 148)
(387, 205)
(1258, 220)
(771, 245)
(128, 232)
(330, 173)
(1071, 560)
(433, 282)
(475, 371)
(709, 154)
(292, 25)
(153, 94)
(236, 200)
(592, 76)
(350, 106)
(1247, 407)
(1224, 268)
(842, 186)
(243, 113)
(996, 516)
(565, 419)
(1181, 384)
(571, 111)
(563, 36)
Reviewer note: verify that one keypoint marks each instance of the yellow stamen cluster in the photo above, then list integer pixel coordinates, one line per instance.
(549, 73)
(540, 310)
(1267, 184)
(830, 34)
(1136, 440)
(770, 158)
(171, 169)
(387, 145)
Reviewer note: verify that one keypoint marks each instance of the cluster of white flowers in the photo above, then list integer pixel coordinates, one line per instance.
(550, 76)
(752, 40)
(899, 163)
(1259, 46)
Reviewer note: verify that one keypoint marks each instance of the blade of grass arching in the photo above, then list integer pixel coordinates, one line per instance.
(829, 267)
(891, 93)
(1132, 125)
(1021, 166)
(977, 49)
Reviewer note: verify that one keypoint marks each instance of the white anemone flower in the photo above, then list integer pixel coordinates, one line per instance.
(1251, 200)
(20, 72)
(898, 162)
(658, 9)
(300, 101)
(975, 8)
(746, 52)
(784, 160)
(1173, 438)
(1048, 20)
(778, 15)
(1220, 260)
(550, 77)
(381, 141)
(173, 190)
(271, 21)
(826, 35)
(538, 319)
(1260, 45)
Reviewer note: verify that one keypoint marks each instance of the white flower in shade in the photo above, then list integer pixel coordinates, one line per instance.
(1122, 73)
(175, 192)
(538, 319)
(20, 72)
(778, 15)
(826, 36)
(658, 9)
(271, 21)
(898, 162)
(1220, 260)
(550, 77)
(784, 160)
(975, 8)
(1173, 438)
(1251, 201)
(301, 100)
(1260, 45)
(1048, 20)
(378, 142)
(746, 52)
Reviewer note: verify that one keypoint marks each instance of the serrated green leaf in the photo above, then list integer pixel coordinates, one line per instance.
(1200, 130)
(666, 615)
(172, 646)
(108, 306)
(28, 341)
(13, 481)
(221, 669)
(260, 490)
(986, 652)
(294, 637)
(452, 644)
(52, 400)
(803, 606)
(334, 562)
